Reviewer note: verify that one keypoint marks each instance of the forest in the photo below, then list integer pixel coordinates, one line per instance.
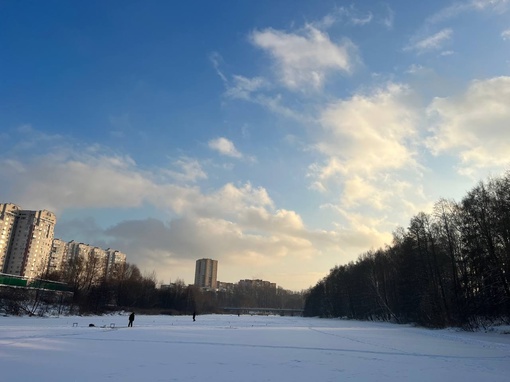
(450, 267)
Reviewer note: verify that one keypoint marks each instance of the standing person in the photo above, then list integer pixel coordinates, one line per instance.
(131, 319)
(194, 314)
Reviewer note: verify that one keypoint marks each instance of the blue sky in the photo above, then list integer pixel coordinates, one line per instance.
(281, 138)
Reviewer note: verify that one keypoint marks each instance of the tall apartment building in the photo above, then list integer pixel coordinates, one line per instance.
(93, 258)
(96, 264)
(30, 240)
(8, 213)
(58, 255)
(115, 260)
(28, 247)
(206, 271)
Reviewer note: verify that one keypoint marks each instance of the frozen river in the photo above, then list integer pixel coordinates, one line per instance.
(244, 348)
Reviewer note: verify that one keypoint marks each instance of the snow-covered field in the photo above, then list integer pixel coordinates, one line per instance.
(245, 348)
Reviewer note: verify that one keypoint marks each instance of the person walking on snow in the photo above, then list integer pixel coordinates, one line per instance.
(131, 319)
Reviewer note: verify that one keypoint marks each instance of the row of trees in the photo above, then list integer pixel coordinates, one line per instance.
(250, 297)
(134, 291)
(78, 288)
(450, 267)
(92, 291)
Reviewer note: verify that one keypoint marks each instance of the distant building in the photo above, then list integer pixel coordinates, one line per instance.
(206, 271)
(176, 287)
(256, 284)
(27, 238)
(224, 286)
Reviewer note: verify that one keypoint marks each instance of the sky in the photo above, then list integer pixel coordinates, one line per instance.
(281, 138)
(245, 348)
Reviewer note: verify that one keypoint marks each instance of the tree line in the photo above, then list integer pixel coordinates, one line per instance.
(450, 267)
(90, 291)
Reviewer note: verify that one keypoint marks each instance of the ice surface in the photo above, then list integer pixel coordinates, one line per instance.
(244, 348)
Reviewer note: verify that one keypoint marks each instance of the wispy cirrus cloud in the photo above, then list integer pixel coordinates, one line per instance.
(460, 7)
(256, 90)
(430, 43)
(243, 88)
(498, 5)
(388, 19)
(356, 17)
(216, 61)
(237, 86)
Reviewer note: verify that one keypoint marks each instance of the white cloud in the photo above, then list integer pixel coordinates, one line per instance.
(459, 7)
(243, 87)
(63, 180)
(190, 170)
(33, 140)
(346, 15)
(255, 90)
(224, 147)
(230, 200)
(368, 133)
(216, 60)
(389, 19)
(363, 229)
(305, 59)
(358, 189)
(362, 20)
(497, 5)
(474, 125)
(430, 43)
(369, 143)
(505, 35)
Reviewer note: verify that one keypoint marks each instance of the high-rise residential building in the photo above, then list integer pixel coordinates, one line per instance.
(30, 241)
(116, 260)
(206, 271)
(8, 213)
(78, 250)
(58, 255)
(28, 247)
(96, 263)
(99, 260)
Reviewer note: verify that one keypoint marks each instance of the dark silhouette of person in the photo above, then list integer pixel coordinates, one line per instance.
(131, 319)
(194, 314)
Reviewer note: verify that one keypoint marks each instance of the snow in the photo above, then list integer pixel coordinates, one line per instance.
(244, 348)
